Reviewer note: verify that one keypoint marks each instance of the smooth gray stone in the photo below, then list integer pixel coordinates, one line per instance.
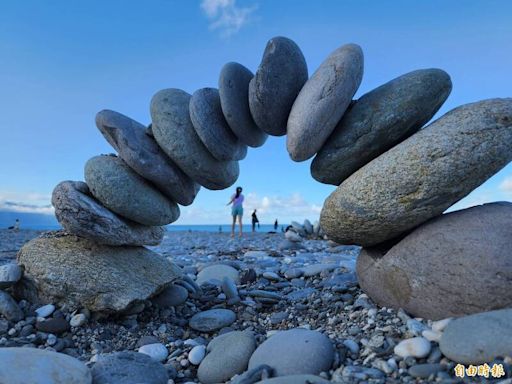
(9, 308)
(445, 255)
(478, 338)
(234, 99)
(75, 272)
(37, 366)
(425, 370)
(278, 80)
(323, 100)
(227, 356)
(296, 351)
(212, 320)
(124, 192)
(128, 368)
(141, 152)
(295, 379)
(229, 288)
(216, 273)
(378, 121)
(212, 128)
(9, 275)
(422, 176)
(176, 135)
(171, 296)
(81, 214)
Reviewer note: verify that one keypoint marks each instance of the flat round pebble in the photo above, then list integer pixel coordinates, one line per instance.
(45, 310)
(212, 320)
(157, 351)
(416, 347)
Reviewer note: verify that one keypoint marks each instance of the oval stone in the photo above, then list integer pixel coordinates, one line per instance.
(295, 351)
(144, 156)
(212, 320)
(175, 134)
(81, 214)
(378, 121)
(491, 337)
(121, 190)
(278, 80)
(422, 176)
(323, 100)
(234, 99)
(212, 128)
(453, 265)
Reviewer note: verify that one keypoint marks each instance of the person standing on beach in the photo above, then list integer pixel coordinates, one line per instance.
(237, 210)
(276, 224)
(254, 221)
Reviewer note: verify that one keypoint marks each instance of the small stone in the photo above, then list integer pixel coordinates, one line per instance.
(53, 325)
(157, 351)
(78, 320)
(415, 327)
(196, 354)
(352, 346)
(431, 335)
(9, 275)
(272, 276)
(9, 308)
(171, 296)
(295, 379)
(45, 310)
(424, 370)
(415, 347)
(212, 320)
(216, 273)
(440, 325)
(229, 288)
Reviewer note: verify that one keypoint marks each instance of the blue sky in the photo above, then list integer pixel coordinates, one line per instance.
(62, 61)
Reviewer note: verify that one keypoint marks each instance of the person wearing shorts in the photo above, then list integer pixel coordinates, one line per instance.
(237, 210)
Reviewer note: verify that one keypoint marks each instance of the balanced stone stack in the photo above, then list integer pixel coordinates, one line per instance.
(394, 179)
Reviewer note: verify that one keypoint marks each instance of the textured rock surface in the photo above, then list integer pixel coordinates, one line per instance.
(422, 176)
(176, 135)
(128, 368)
(69, 270)
(234, 99)
(81, 214)
(323, 100)
(212, 128)
(144, 156)
(124, 192)
(36, 366)
(437, 272)
(378, 121)
(278, 80)
(228, 355)
(494, 330)
(295, 351)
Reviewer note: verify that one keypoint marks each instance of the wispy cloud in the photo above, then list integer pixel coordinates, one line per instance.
(26, 202)
(506, 184)
(226, 15)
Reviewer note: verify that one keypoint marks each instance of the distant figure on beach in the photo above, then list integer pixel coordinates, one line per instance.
(220, 229)
(255, 221)
(276, 224)
(16, 226)
(237, 210)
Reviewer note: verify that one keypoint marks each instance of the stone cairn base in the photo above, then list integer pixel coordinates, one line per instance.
(394, 179)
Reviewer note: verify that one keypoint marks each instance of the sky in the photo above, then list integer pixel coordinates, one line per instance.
(63, 61)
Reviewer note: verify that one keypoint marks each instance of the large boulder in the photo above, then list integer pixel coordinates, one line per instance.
(175, 134)
(69, 270)
(81, 214)
(422, 176)
(457, 264)
(323, 100)
(144, 156)
(124, 192)
(278, 80)
(212, 128)
(378, 121)
(234, 99)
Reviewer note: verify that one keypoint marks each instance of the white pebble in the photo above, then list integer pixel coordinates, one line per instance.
(440, 325)
(45, 310)
(196, 354)
(78, 320)
(415, 347)
(156, 351)
(431, 335)
(51, 340)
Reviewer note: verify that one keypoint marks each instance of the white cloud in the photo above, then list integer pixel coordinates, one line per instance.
(506, 184)
(26, 202)
(226, 15)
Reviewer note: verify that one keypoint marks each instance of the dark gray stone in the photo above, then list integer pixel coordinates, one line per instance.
(212, 320)
(323, 100)
(378, 121)
(72, 271)
(124, 192)
(478, 338)
(128, 368)
(171, 296)
(422, 176)
(212, 128)
(234, 99)
(425, 370)
(227, 356)
(295, 351)
(81, 214)
(9, 308)
(176, 135)
(436, 271)
(278, 80)
(9, 275)
(52, 325)
(144, 156)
